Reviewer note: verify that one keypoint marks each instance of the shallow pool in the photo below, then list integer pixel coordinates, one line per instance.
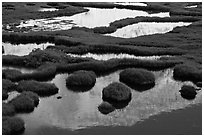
(23, 49)
(116, 56)
(80, 110)
(146, 28)
(95, 17)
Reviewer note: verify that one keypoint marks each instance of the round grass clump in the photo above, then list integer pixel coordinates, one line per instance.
(185, 72)
(33, 96)
(188, 92)
(116, 92)
(106, 108)
(40, 88)
(7, 109)
(81, 80)
(12, 125)
(139, 79)
(23, 103)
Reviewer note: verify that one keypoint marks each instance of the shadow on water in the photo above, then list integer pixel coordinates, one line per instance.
(76, 111)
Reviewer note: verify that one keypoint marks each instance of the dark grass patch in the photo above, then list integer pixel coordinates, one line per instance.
(105, 108)
(188, 92)
(81, 80)
(40, 88)
(23, 104)
(186, 72)
(199, 84)
(4, 94)
(30, 4)
(33, 96)
(8, 85)
(116, 92)
(8, 109)
(13, 75)
(139, 79)
(12, 125)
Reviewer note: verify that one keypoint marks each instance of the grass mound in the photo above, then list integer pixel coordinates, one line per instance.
(8, 85)
(33, 96)
(23, 103)
(12, 125)
(40, 88)
(188, 92)
(7, 109)
(116, 92)
(13, 75)
(139, 79)
(105, 108)
(81, 79)
(185, 72)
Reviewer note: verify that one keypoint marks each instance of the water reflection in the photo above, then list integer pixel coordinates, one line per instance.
(95, 17)
(80, 110)
(146, 28)
(131, 3)
(21, 69)
(116, 56)
(47, 9)
(193, 6)
(23, 49)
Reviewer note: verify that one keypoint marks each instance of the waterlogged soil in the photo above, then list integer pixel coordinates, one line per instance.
(79, 110)
(146, 28)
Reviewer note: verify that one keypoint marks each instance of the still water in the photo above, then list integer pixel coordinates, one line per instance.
(23, 49)
(80, 110)
(105, 57)
(146, 28)
(95, 17)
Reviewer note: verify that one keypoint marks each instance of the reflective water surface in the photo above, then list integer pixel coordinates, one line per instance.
(79, 110)
(193, 6)
(116, 56)
(21, 69)
(131, 3)
(146, 28)
(95, 17)
(23, 49)
(47, 9)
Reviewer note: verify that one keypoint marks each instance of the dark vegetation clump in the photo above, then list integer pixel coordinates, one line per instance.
(105, 108)
(81, 80)
(4, 94)
(199, 84)
(32, 95)
(40, 88)
(12, 125)
(8, 109)
(139, 79)
(30, 4)
(8, 85)
(116, 92)
(187, 73)
(13, 75)
(23, 104)
(188, 92)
